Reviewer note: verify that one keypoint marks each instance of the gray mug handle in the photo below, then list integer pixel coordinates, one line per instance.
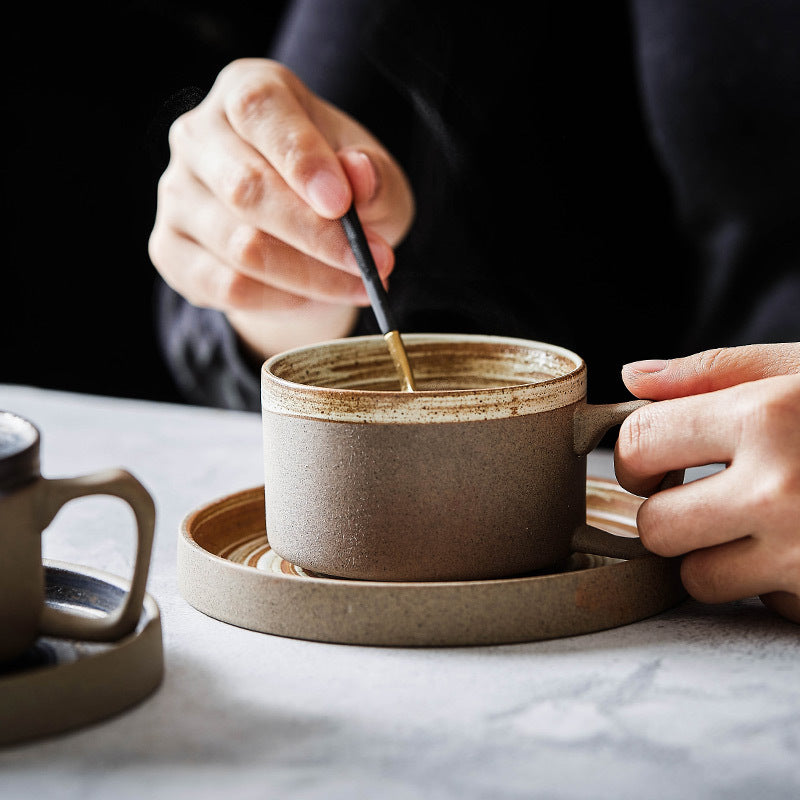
(591, 422)
(118, 483)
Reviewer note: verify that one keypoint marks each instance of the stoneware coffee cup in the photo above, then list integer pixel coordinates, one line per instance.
(28, 503)
(479, 474)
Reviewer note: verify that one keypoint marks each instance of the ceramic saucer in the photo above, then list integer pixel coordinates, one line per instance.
(61, 684)
(227, 570)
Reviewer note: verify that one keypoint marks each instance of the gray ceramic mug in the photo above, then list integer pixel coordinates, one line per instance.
(479, 474)
(28, 503)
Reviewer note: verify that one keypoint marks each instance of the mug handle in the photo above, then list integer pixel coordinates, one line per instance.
(591, 422)
(117, 483)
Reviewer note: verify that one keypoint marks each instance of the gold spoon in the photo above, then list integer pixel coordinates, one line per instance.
(378, 298)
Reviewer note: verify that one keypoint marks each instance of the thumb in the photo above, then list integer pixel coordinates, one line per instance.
(710, 370)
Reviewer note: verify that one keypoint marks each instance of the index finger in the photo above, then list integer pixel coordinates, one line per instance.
(266, 105)
(710, 370)
(673, 435)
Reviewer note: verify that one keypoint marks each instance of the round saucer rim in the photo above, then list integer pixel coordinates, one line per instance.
(135, 662)
(324, 610)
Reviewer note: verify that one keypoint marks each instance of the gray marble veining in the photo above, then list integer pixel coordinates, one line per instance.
(697, 702)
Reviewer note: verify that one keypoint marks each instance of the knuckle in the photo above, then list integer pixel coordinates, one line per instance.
(168, 186)
(759, 496)
(792, 562)
(200, 290)
(156, 246)
(232, 289)
(176, 133)
(789, 488)
(636, 434)
(207, 286)
(768, 414)
(195, 297)
(233, 69)
(712, 360)
(244, 187)
(789, 572)
(281, 74)
(330, 284)
(779, 407)
(181, 129)
(297, 148)
(653, 530)
(251, 97)
(203, 290)
(246, 246)
(775, 497)
(699, 578)
(193, 293)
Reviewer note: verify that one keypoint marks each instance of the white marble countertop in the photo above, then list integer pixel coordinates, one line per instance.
(697, 702)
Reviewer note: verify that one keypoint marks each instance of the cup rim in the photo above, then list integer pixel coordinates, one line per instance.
(288, 397)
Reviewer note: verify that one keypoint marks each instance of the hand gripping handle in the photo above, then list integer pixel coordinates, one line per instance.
(591, 422)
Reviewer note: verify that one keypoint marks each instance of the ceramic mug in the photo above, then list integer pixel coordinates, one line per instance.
(479, 474)
(28, 503)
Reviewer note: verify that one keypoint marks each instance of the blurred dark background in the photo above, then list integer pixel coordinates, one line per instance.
(89, 94)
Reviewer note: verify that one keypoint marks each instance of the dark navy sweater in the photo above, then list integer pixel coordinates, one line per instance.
(619, 179)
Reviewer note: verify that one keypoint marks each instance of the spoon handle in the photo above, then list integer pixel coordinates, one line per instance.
(378, 297)
(369, 272)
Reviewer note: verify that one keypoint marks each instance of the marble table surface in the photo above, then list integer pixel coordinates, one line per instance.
(697, 702)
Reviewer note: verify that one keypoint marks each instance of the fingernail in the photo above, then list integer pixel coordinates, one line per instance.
(368, 175)
(648, 366)
(328, 194)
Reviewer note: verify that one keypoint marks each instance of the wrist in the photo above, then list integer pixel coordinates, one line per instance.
(263, 334)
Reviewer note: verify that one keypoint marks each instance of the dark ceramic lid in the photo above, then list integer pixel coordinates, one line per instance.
(19, 450)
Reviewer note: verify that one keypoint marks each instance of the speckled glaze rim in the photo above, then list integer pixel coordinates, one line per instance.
(325, 400)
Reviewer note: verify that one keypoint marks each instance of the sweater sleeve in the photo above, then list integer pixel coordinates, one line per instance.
(203, 354)
(672, 230)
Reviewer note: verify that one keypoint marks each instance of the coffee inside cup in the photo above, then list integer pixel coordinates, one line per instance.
(480, 473)
(363, 364)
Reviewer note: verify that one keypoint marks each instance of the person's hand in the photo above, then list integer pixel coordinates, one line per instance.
(248, 207)
(738, 528)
